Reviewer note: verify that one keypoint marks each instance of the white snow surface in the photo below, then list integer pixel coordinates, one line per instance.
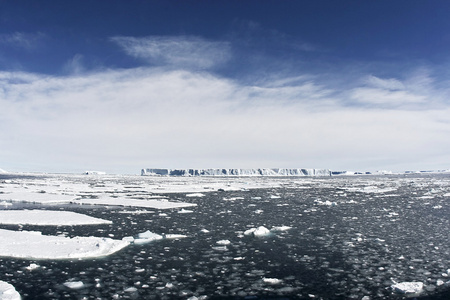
(47, 217)
(34, 245)
(36, 197)
(8, 292)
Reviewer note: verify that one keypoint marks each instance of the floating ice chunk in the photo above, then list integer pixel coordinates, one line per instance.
(258, 232)
(280, 228)
(8, 292)
(74, 285)
(204, 230)
(272, 280)
(195, 195)
(47, 217)
(175, 236)
(223, 242)
(32, 267)
(185, 211)
(274, 197)
(131, 290)
(261, 231)
(408, 287)
(327, 202)
(147, 237)
(34, 245)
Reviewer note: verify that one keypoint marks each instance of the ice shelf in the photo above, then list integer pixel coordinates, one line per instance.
(236, 172)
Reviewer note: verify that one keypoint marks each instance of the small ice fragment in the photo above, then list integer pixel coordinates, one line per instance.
(74, 285)
(204, 230)
(175, 236)
(439, 282)
(408, 287)
(131, 289)
(272, 280)
(195, 195)
(223, 242)
(32, 267)
(280, 228)
(185, 211)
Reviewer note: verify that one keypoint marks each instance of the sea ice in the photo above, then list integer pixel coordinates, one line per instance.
(258, 232)
(280, 228)
(272, 280)
(8, 292)
(223, 242)
(149, 203)
(74, 285)
(36, 197)
(47, 217)
(34, 245)
(195, 195)
(408, 287)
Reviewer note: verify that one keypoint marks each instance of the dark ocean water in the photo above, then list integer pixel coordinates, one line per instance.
(350, 238)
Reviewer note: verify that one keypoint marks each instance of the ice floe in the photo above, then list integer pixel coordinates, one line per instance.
(150, 203)
(408, 287)
(47, 217)
(34, 245)
(36, 197)
(74, 285)
(8, 292)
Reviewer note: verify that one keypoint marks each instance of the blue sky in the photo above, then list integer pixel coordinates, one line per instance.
(117, 86)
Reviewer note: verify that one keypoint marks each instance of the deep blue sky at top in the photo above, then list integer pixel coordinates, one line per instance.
(338, 32)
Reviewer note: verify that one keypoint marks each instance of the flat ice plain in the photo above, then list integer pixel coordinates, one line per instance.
(133, 237)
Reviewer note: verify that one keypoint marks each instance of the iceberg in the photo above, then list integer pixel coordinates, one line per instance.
(235, 172)
(8, 292)
(34, 245)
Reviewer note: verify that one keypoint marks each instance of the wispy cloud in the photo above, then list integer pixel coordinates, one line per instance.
(122, 120)
(23, 40)
(180, 51)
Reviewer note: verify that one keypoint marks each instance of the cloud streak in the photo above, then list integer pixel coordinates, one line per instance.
(180, 51)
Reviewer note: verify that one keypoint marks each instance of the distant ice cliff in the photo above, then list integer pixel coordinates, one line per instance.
(236, 172)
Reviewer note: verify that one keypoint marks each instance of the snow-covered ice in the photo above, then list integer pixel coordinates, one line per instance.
(47, 217)
(149, 203)
(8, 292)
(408, 287)
(34, 245)
(75, 285)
